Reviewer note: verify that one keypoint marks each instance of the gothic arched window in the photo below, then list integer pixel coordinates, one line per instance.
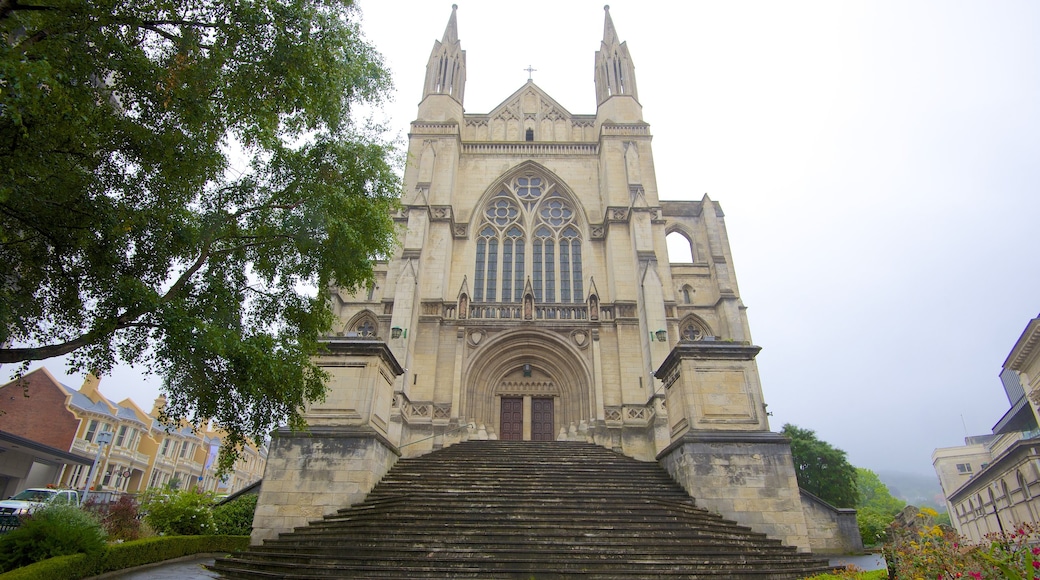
(693, 329)
(499, 232)
(364, 327)
(528, 226)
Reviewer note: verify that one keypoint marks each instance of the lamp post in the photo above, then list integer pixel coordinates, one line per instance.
(103, 438)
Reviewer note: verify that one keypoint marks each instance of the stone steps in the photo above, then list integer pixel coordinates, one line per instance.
(496, 509)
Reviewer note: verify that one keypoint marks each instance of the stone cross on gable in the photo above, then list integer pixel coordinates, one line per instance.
(529, 70)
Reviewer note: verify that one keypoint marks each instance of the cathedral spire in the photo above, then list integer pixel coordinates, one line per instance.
(615, 73)
(451, 31)
(609, 33)
(446, 71)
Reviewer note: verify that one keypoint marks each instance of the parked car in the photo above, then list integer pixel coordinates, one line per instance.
(33, 499)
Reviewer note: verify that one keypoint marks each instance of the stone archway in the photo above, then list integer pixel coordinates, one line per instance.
(541, 370)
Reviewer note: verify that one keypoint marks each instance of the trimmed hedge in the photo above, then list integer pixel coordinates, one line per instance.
(872, 575)
(126, 555)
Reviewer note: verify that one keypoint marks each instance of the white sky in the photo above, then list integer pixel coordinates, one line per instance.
(878, 163)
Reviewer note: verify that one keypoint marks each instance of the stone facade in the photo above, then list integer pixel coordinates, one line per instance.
(992, 482)
(532, 297)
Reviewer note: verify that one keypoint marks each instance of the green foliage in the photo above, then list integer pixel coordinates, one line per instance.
(148, 550)
(876, 507)
(178, 512)
(119, 518)
(943, 519)
(931, 551)
(872, 525)
(853, 574)
(821, 469)
(181, 181)
(57, 530)
(236, 516)
(126, 555)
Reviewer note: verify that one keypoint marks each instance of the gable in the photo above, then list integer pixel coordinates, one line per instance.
(529, 109)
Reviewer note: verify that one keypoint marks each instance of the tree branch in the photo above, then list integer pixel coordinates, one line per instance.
(9, 6)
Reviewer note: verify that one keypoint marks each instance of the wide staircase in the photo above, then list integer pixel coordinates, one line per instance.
(504, 509)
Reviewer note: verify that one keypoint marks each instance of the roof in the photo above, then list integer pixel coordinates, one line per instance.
(10, 441)
(1025, 346)
(82, 402)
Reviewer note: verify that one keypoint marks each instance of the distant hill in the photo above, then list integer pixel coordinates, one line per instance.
(915, 489)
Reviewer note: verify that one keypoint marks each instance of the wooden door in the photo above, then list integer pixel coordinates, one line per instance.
(542, 420)
(512, 424)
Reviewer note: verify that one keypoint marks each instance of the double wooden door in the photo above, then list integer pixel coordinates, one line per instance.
(511, 425)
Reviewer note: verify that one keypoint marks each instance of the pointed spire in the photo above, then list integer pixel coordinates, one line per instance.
(610, 35)
(615, 73)
(451, 32)
(446, 70)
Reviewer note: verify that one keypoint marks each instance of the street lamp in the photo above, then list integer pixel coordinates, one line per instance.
(103, 438)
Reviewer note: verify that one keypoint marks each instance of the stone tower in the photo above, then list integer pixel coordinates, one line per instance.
(532, 298)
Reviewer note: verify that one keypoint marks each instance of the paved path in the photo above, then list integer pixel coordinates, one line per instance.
(187, 568)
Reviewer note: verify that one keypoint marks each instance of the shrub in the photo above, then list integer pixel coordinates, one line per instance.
(852, 573)
(126, 555)
(872, 525)
(937, 552)
(235, 517)
(178, 512)
(118, 518)
(57, 530)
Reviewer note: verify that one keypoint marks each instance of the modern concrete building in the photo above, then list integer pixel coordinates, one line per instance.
(533, 298)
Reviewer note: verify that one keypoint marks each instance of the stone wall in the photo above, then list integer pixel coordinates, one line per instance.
(831, 530)
(317, 472)
(746, 477)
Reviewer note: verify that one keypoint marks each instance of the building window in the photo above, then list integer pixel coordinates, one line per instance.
(693, 329)
(530, 135)
(963, 468)
(529, 224)
(121, 436)
(78, 472)
(91, 431)
(686, 294)
(500, 241)
(365, 327)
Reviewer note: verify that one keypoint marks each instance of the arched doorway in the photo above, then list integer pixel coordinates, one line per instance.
(526, 385)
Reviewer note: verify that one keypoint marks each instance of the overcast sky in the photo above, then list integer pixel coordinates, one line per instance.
(878, 164)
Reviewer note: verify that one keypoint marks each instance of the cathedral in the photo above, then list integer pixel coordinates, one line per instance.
(532, 298)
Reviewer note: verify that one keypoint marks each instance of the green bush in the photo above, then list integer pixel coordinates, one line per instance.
(872, 525)
(175, 512)
(148, 550)
(126, 555)
(852, 575)
(57, 530)
(235, 517)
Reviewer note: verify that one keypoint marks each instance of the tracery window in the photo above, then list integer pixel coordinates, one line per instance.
(528, 226)
(693, 329)
(365, 327)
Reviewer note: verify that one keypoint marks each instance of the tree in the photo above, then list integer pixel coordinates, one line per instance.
(876, 507)
(873, 493)
(128, 232)
(821, 469)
